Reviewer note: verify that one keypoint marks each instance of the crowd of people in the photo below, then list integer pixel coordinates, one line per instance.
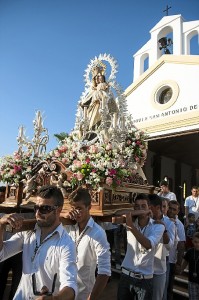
(74, 261)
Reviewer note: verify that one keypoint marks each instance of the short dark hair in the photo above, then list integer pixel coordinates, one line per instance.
(142, 196)
(194, 187)
(175, 202)
(164, 182)
(165, 199)
(51, 191)
(191, 215)
(155, 200)
(80, 194)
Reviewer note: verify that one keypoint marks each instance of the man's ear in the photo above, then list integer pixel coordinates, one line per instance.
(160, 207)
(59, 209)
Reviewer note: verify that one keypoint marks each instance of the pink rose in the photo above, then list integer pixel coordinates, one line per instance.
(63, 149)
(87, 160)
(112, 172)
(109, 181)
(79, 176)
(109, 147)
(17, 155)
(118, 182)
(93, 149)
(65, 160)
(56, 153)
(17, 168)
(137, 159)
(77, 163)
(12, 172)
(28, 154)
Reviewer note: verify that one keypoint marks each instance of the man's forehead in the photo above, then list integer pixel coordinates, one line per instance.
(174, 206)
(164, 201)
(77, 203)
(141, 201)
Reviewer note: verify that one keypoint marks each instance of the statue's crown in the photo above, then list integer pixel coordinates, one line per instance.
(98, 68)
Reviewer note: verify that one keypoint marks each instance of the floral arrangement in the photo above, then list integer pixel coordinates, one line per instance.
(13, 167)
(110, 163)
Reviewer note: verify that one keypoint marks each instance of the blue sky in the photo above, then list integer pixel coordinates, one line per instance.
(46, 45)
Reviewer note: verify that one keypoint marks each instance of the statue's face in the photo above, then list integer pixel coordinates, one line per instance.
(99, 78)
(96, 80)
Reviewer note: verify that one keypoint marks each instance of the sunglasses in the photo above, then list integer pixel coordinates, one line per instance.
(44, 209)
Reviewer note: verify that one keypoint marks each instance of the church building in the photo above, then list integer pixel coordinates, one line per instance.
(164, 101)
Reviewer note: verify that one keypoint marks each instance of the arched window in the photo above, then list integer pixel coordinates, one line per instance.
(165, 41)
(144, 63)
(194, 45)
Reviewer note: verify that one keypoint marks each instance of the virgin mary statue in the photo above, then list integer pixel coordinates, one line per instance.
(99, 97)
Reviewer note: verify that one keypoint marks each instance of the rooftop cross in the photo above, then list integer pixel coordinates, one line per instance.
(167, 9)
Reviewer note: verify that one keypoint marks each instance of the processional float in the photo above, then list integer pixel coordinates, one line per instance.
(105, 152)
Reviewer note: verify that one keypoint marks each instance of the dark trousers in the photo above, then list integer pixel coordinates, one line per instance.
(130, 288)
(171, 282)
(13, 264)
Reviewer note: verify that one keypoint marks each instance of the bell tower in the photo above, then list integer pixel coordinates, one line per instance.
(171, 36)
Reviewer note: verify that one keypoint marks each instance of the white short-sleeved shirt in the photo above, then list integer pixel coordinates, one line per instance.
(193, 204)
(162, 250)
(169, 195)
(179, 236)
(137, 258)
(56, 254)
(92, 250)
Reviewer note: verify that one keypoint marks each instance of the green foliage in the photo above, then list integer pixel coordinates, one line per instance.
(61, 136)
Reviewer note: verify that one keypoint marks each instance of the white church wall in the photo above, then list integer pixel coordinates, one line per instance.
(142, 95)
(143, 105)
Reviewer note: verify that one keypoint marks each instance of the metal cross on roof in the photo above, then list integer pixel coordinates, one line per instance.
(167, 10)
